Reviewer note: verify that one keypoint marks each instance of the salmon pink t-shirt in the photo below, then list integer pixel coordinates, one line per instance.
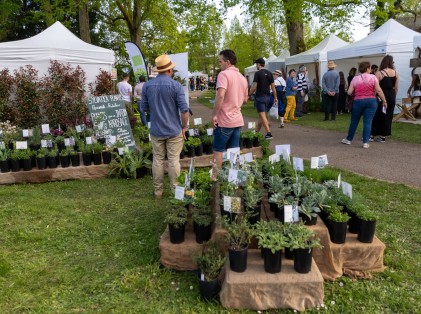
(236, 91)
(364, 86)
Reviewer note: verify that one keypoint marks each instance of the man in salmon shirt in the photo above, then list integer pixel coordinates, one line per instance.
(231, 93)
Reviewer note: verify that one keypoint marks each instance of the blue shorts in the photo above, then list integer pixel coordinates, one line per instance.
(224, 138)
(261, 103)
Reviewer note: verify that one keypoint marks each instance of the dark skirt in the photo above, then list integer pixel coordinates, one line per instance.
(382, 123)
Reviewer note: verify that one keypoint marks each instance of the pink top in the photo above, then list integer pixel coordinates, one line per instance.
(364, 86)
(235, 85)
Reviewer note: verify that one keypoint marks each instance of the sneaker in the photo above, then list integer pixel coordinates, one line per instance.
(371, 139)
(345, 141)
(268, 136)
(366, 145)
(282, 126)
(380, 139)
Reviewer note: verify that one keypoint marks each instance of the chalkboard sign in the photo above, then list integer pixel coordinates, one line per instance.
(110, 117)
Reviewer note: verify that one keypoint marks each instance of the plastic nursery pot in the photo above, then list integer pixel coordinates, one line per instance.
(289, 254)
(366, 231)
(208, 149)
(26, 164)
(96, 157)
(209, 289)
(256, 142)
(75, 159)
(198, 150)
(309, 221)
(176, 234)
(65, 161)
(230, 215)
(106, 157)
(4, 166)
(354, 224)
(203, 233)
(182, 155)
(272, 261)
(337, 232)
(141, 172)
(248, 143)
(41, 162)
(303, 260)
(87, 159)
(238, 259)
(52, 162)
(190, 151)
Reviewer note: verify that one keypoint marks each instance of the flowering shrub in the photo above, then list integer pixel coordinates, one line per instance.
(6, 86)
(64, 94)
(103, 84)
(26, 106)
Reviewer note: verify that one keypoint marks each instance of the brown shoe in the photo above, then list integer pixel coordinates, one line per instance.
(158, 194)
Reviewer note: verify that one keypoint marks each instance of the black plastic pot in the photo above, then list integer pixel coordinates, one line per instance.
(141, 172)
(255, 214)
(272, 261)
(309, 221)
(354, 224)
(4, 166)
(256, 142)
(289, 254)
(75, 159)
(106, 157)
(97, 158)
(203, 233)
(366, 231)
(198, 150)
(207, 148)
(176, 234)
(303, 260)
(209, 289)
(279, 213)
(248, 143)
(34, 147)
(61, 146)
(33, 161)
(41, 162)
(52, 162)
(15, 165)
(190, 151)
(241, 143)
(273, 208)
(337, 232)
(238, 259)
(87, 159)
(65, 161)
(27, 164)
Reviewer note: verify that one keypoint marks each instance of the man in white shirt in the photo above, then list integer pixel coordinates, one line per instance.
(125, 90)
(138, 96)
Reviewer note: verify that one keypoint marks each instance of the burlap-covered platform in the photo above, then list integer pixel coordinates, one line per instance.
(258, 290)
(353, 258)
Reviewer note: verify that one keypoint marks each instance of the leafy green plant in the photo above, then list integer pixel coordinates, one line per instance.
(176, 216)
(270, 235)
(202, 198)
(301, 237)
(193, 141)
(15, 154)
(35, 139)
(86, 149)
(65, 152)
(211, 261)
(247, 134)
(202, 219)
(337, 215)
(239, 232)
(308, 207)
(52, 153)
(122, 166)
(368, 215)
(97, 147)
(252, 196)
(42, 152)
(206, 139)
(201, 179)
(4, 154)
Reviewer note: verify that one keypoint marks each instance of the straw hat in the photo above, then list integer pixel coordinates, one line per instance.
(331, 64)
(277, 72)
(163, 64)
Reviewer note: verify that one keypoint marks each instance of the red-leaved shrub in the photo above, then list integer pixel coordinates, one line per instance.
(103, 84)
(6, 88)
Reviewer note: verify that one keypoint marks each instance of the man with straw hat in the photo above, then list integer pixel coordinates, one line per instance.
(164, 99)
(330, 86)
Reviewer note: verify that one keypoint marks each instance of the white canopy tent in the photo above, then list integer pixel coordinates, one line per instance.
(279, 62)
(56, 43)
(199, 74)
(315, 59)
(249, 71)
(391, 38)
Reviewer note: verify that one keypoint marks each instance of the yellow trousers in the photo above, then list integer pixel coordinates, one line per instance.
(291, 104)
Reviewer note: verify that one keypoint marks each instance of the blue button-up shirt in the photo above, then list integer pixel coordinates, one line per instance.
(164, 98)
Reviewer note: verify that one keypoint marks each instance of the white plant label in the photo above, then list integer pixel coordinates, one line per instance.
(197, 121)
(291, 213)
(347, 189)
(272, 158)
(49, 143)
(227, 203)
(202, 277)
(67, 142)
(2, 146)
(251, 125)
(248, 157)
(88, 140)
(234, 159)
(179, 192)
(298, 163)
(233, 150)
(280, 148)
(339, 179)
(25, 133)
(44, 143)
(120, 151)
(149, 136)
(1, 132)
(21, 145)
(209, 131)
(285, 155)
(45, 128)
(314, 163)
(191, 132)
(232, 176)
(149, 125)
(111, 140)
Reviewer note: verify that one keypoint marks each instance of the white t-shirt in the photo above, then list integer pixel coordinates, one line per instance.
(280, 82)
(125, 90)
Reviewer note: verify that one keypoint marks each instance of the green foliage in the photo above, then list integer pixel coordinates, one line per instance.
(15, 154)
(201, 179)
(97, 147)
(6, 88)
(193, 141)
(368, 215)
(127, 164)
(211, 261)
(239, 232)
(4, 154)
(337, 215)
(308, 207)
(301, 237)
(247, 134)
(270, 235)
(176, 217)
(42, 152)
(103, 84)
(52, 153)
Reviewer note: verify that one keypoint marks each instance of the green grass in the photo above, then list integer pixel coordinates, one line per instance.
(404, 132)
(92, 247)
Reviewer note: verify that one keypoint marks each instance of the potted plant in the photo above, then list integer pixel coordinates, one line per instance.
(35, 139)
(106, 154)
(308, 211)
(64, 156)
(202, 224)
(196, 144)
(252, 201)
(257, 138)
(228, 189)
(210, 264)
(337, 225)
(247, 137)
(354, 221)
(59, 141)
(97, 150)
(280, 199)
(271, 239)
(367, 226)
(25, 158)
(41, 158)
(302, 240)
(207, 141)
(75, 158)
(176, 219)
(202, 180)
(141, 163)
(52, 158)
(4, 160)
(86, 154)
(15, 160)
(122, 166)
(238, 238)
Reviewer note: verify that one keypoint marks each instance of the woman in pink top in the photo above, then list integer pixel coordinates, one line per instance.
(365, 86)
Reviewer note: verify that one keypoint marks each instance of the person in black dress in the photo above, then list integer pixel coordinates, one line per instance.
(342, 94)
(389, 82)
(351, 75)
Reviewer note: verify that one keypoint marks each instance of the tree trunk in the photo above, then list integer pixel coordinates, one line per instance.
(84, 29)
(295, 27)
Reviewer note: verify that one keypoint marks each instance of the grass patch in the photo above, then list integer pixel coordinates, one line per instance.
(404, 132)
(92, 246)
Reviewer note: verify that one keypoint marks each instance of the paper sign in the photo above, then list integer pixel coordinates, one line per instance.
(298, 163)
(110, 140)
(2, 146)
(347, 189)
(88, 140)
(197, 121)
(44, 143)
(288, 213)
(339, 180)
(49, 143)
(314, 163)
(25, 133)
(120, 151)
(273, 158)
(78, 128)
(67, 142)
(285, 155)
(72, 141)
(202, 277)
(227, 203)
(21, 145)
(248, 157)
(233, 150)
(179, 192)
(284, 147)
(149, 125)
(191, 132)
(45, 128)
(323, 160)
(209, 131)
(252, 125)
(232, 176)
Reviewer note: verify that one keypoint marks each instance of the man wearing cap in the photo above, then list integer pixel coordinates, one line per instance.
(330, 86)
(164, 99)
(231, 93)
(280, 86)
(302, 90)
(262, 83)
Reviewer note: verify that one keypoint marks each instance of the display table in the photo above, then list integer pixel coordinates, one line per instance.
(258, 290)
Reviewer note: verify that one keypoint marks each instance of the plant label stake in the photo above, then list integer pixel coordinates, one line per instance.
(191, 132)
(45, 128)
(2, 146)
(197, 121)
(179, 193)
(67, 142)
(298, 163)
(252, 125)
(209, 131)
(227, 203)
(88, 140)
(25, 133)
(339, 180)
(21, 145)
(347, 189)
(291, 213)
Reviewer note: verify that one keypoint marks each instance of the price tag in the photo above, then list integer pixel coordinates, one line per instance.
(197, 121)
(251, 125)
(298, 164)
(45, 128)
(209, 131)
(21, 145)
(88, 140)
(2, 146)
(323, 161)
(291, 213)
(25, 133)
(179, 193)
(44, 143)
(314, 163)
(72, 141)
(227, 203)
(285, 155)
(191, 132)
(347, 189)
(232, 176)
(67, 142)
(242, 177)
(233, 150)
(234, 158)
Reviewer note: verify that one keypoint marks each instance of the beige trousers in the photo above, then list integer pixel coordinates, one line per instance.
(172, 146)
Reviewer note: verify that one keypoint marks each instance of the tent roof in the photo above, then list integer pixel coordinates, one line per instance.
(318, 52)
(388, 38)
(281, 58)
